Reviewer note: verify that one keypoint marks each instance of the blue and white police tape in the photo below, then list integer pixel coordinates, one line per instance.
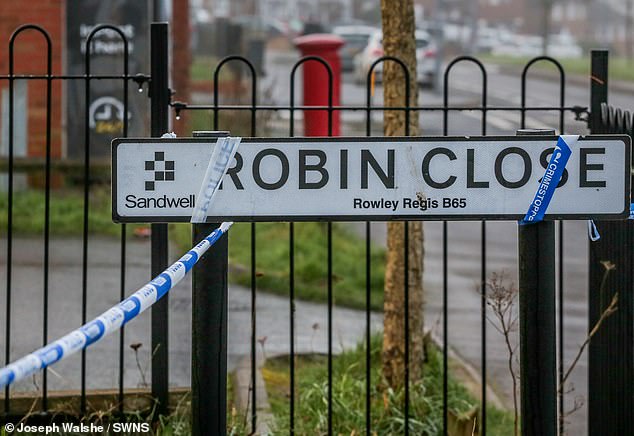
(550, 180)
(111, 320)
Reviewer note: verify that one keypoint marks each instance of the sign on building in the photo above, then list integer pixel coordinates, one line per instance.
(106, 112)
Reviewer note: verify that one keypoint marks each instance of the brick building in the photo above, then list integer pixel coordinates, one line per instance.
(30, 58)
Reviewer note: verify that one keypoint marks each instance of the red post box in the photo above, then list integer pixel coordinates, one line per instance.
(315, 78)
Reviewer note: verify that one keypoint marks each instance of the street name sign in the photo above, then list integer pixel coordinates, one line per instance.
(367, 179)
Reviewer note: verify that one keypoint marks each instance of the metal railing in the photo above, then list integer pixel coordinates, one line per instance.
(86, 169)
(611, 380)
(484, 108)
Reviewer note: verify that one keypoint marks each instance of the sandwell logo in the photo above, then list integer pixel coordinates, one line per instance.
(162, 170)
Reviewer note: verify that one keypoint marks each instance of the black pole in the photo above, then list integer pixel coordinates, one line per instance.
(209, 331)
(598, 88)
(611, 351)
(160, 99)
(538, 375)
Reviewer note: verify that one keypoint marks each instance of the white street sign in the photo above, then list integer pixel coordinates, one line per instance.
(293, 179)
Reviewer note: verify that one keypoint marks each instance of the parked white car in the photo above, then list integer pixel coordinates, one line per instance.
(425, 59)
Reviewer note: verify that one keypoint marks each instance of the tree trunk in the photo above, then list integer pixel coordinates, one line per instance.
(398, 41)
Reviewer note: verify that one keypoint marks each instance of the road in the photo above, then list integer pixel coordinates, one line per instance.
(465, 89)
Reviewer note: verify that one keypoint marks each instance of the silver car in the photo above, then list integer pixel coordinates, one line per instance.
(425, 59)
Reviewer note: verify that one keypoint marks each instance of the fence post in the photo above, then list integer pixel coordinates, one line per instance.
(598, 88)
(209, 331)
(538, 379)
(160, 99)
(611, 351)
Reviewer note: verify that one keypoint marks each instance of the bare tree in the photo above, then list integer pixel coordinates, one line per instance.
(398, 41)
(607, 312)
(501, 298)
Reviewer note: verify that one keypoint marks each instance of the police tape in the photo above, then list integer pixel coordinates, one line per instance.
(111, 320)
(550, 180)
(223, 152)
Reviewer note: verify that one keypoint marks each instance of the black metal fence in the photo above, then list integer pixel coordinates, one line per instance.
(88, 172)
(610, 383)
(160, 112)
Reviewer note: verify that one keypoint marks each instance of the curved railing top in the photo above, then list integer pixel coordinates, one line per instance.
(41, 31)
(249, 65)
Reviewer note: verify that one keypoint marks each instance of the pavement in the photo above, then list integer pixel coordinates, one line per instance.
(103, 292)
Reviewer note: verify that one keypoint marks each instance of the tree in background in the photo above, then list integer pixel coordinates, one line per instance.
(398, 40)
(181, 57)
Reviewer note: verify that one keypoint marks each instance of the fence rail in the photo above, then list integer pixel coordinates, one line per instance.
(15, 164)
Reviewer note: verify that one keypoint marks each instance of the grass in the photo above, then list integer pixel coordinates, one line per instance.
(179, 421)
(311, 268)
(66, 213)
(349, 390)
(272, 242)
(618, 68)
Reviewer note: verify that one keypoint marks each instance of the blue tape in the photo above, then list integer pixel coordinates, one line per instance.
(214, 236)
(93, 331)
(550, 180)
(131, 307)
(631, 211)
(162, 283)
(50, 354)
(189, 260)
(112, 319)
(6, 377)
